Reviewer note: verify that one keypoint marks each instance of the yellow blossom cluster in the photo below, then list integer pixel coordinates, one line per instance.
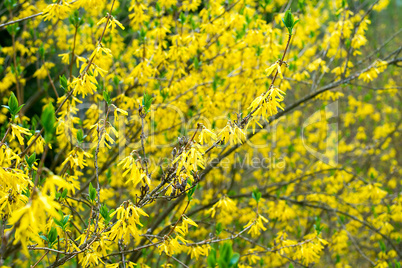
(200, 133)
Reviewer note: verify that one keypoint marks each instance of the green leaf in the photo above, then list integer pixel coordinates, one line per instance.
(42, 51)
(317, 226)
(64, 193)
(10, 4)
(146, 102)
(59, 223)
(106, 97)
(65, 219)
(382, 246)
(142, 32)
(116, 80)
(182, 18)
(225, 253)
(13, 106)
(48, 120)
(211, 260)
(289, 21)
(92, 192)
(196, 63)
(13, 103)
(158, 7)
(229, 252)
(43, 237)
(52, 236)
(191, 191)
(19, 108)
(235, 258)
(30, 160)
(80, 136)
(63, 82)
(222, 264)
(256, 195)
(13, 28)
(75, 19)
(105, 213)
(218, 228)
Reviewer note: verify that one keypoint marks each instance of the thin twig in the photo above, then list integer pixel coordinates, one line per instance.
(177, 222)
(41, 258)
(20, 20)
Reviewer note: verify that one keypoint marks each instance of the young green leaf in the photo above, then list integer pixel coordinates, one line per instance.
(80, 136)
(106, 97)
(190, 192)
(52, 236)
(235, 258)
(64, 193)
(105, 213)
(218, 228)
(211, 260)
(63, 82)
(13, 107)
(13, 103)
(92, 192)
(256, 195)
(146, 102)
(48, 120)
(289, 21)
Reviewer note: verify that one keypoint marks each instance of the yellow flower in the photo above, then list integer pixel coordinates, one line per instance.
(197, 251)
(190, 160)
(65, 58)
(56, 11)
(92, 259)
(137, 175)
(183, 228)
(171, 245)
(18, 131)
(190, 5)
(271, 68)
(232, 133)
(127, 221)
(112, 23)
(84, 85)
(206, 135)
(225, 204)
(42, 72)
(256, 226)
(121, 111)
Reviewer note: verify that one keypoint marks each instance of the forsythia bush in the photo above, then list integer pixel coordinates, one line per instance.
(200, 133)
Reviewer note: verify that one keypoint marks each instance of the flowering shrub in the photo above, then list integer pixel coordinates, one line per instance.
(199, 134)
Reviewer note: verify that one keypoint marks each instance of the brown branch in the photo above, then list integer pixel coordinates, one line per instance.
(20, 20)
(41, 258)
(26, 18)
(177, 222)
